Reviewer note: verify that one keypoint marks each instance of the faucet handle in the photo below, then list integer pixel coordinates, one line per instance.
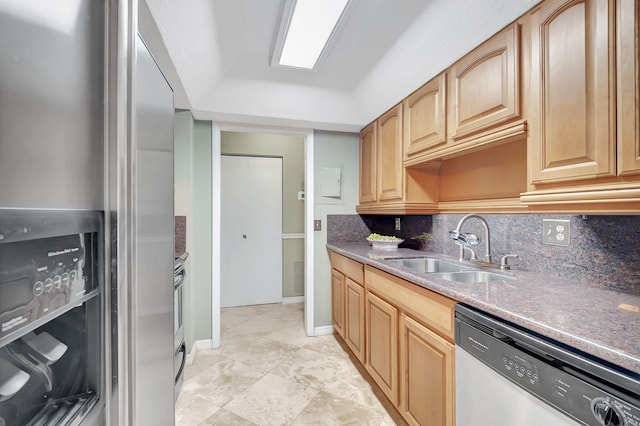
(469, 239)
(503, 260)
(462, 238)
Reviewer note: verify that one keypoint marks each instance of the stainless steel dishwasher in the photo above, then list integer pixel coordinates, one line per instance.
(506, 375)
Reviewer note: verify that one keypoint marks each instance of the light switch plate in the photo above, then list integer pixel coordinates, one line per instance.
(317, 225)
(556, 232)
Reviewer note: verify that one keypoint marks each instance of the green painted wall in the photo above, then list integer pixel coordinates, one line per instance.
(182, 169)
(192, 187)
(331, 150)
(201, 202)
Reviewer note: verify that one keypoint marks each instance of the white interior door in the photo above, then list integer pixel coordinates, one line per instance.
(251, 230)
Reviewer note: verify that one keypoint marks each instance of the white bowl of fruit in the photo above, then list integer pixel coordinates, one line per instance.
(384, 242)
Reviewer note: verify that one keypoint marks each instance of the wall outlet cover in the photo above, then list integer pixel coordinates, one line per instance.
(556, 232)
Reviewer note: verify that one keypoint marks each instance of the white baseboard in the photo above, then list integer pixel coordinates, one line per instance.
(294, 299)
(198, 345)
(323, 331)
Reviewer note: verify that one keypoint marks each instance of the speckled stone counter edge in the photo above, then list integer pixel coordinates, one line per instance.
(587, 318)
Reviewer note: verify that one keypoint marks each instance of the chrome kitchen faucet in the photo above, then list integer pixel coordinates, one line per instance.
(468, 240)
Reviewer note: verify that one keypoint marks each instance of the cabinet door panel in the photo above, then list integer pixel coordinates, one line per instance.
(337, 301)
(368, 163)
(390, 169)
(628, 87)
(382, 344)
(425, 118)
(486, 84)
(572, 125)
(354, 321)
(426, 366)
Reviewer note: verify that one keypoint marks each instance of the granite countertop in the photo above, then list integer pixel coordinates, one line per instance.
(600, 322)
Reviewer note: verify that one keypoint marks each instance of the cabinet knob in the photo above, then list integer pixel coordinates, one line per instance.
(244, 236)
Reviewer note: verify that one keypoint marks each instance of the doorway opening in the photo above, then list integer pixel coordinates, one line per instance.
(295, 149)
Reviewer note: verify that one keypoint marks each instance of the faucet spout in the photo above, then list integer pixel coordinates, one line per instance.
(464, 240)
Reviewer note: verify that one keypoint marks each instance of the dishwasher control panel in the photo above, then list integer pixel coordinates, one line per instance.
(579, 395)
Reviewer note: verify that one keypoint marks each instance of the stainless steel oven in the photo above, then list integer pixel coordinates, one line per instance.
(179, 347)
(51, 316)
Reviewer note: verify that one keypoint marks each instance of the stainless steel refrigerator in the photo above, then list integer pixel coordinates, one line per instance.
(86, 218)
(152, 257)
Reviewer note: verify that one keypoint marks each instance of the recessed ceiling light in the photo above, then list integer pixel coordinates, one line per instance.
(306, 28)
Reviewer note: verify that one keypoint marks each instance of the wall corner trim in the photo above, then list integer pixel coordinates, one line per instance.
(198, 345)
(323, 331)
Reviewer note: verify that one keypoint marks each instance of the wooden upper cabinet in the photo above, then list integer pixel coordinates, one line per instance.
(425, 125)
(485, 85)
(572, 109)
(368, 163)
(390, 167)
(628, 87)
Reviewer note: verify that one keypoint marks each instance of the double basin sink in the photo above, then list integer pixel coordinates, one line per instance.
(447, 270)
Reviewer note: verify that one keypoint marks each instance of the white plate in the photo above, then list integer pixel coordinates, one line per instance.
(385, 245)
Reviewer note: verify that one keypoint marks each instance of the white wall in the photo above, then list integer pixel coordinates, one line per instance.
(153, 39)
(441, 34)
(433, 42)
(331, 150)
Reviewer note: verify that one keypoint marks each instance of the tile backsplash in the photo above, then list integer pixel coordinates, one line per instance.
(603, 251)
(180, 241)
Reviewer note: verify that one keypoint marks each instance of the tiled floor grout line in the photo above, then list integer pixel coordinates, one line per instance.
(267, 372)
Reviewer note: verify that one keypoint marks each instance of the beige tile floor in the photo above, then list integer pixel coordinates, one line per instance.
(268, 372)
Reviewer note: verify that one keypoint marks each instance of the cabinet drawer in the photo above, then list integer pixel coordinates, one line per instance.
(348, 267)
(430, 308)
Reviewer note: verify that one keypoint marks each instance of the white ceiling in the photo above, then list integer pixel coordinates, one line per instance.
(218, 53)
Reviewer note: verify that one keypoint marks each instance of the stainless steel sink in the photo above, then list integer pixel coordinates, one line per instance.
(428, 265)
(472, 276)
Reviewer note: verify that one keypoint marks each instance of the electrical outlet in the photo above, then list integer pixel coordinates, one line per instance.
(397, 223)
(556, 232)
(317, 225)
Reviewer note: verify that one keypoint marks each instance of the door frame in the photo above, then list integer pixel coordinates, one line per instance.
(216, 154)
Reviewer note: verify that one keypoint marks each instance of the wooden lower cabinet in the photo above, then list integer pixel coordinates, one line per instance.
(337, 301)
(427, 382)
(382, 344)
(410, 351)
(403, 335)
(347, 302)
(354, 318)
